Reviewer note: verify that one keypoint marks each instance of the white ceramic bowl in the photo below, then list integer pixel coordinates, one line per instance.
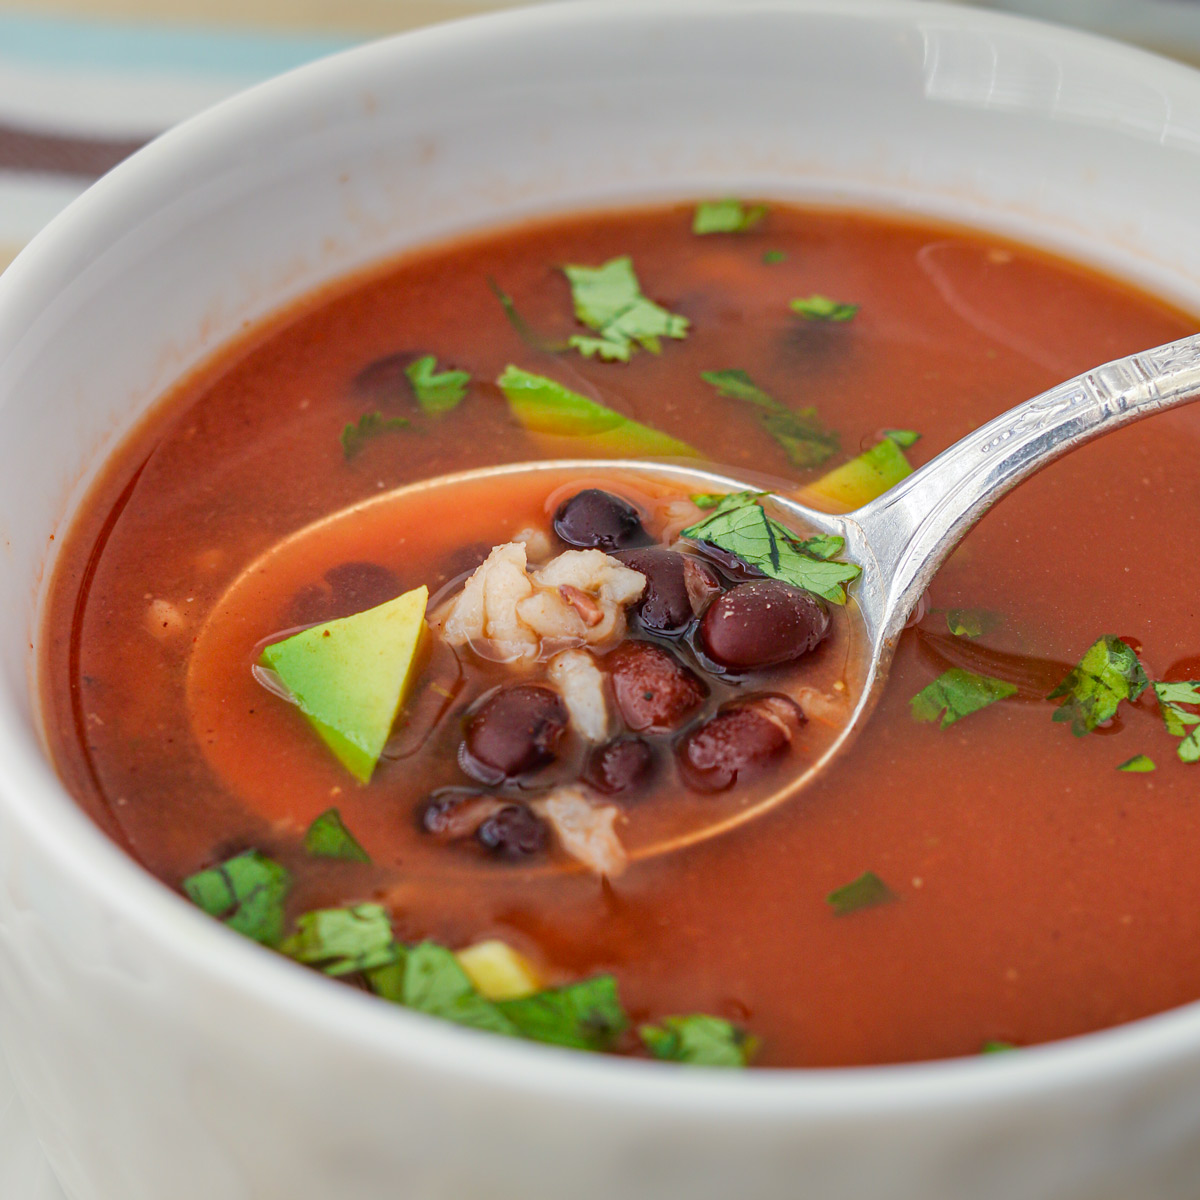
(163, 1058)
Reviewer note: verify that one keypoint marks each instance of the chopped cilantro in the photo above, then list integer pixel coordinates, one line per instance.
(609, 300)
(585, 1015)
(699, 1039)
(804, 439)
(744, 529)
(1138, 764)
(971, 622)
(823, 545)
(724, 499)
(867, 891)
(904, 438)
(339, 941)
(726, 216)
(770, 257)
(957, 694)
(369, 425)
(996, 1047)
(1108, 673)
(436, 391)
(820, 308)
(1178, 720)
(247, 892)
(544, 406)
(328, 837)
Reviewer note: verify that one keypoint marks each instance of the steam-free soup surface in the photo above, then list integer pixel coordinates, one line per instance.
(1035, 890)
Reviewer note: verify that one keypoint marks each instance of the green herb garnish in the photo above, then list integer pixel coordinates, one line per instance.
(518, 322)
(368, 426)
(586, 1015)
(971, 622)
(957, 694)
(770, 257)
(724, 499)
(340, 941)
(435, 983)
(699, 1039)
(544, 406)
(744, 529)
(247, 892)
(328, 837)
(820, 308)
(1138, 764)
(1178, 720)
(996, 1047)
(609, 300)
(867, 891)
(1108, 673)
(903, 437)
(805, 440)
(436, 391)
(726, 216)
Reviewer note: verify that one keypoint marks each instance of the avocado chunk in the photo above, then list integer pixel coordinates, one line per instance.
(858, 481)
(566, 420)
(350, 677)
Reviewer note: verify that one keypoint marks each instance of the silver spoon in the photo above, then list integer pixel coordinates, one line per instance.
(899, 539)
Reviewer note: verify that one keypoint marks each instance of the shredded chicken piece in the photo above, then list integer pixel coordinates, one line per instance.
(507, 612)
(585, 830)
(537, 543)
(581, 684)
(165, 620)
(822, 707)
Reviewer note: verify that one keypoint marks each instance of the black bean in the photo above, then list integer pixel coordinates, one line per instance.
(740, 739)
(517, 729)
(729, 562)
(654, 691)
(596, 519)
(454, 813)
(665, 606)
(761, 624)
(348, 588)
(384, 379)
(513, 832)
(620, 765)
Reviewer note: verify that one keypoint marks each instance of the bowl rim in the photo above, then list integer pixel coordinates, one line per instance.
(40, 805)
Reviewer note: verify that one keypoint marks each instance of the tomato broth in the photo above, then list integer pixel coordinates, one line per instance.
(1009, 884)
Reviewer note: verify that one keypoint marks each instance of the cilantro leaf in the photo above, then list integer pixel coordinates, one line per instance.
(971, 622)
(1108, 673)
(436, 391)
(957, 694)
(339, 941)
(369, 425)
(1171, 697)
(543, 406)
(247, 892)
(744, 529)
(770, 257)
(586, 1015)
(867, 891)
(904, 438)
(1138, 764)
(435, 983)
(820, 308)
(328, 837)
(609, 300)
(699, 1039)
(804, 439)
(823, 545)
(726, 216)
(720, 500)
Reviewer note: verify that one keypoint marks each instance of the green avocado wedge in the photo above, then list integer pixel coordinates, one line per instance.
(351, 677)
(858, 481)
(565, 420)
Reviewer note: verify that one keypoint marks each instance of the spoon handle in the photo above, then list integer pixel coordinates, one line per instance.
(914, 526)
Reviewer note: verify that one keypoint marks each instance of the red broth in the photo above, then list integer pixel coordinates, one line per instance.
(1038, 891)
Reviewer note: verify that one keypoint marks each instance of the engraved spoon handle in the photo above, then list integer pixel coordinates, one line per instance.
(913, 527)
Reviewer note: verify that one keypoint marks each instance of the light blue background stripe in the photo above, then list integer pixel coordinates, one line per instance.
(37, 41)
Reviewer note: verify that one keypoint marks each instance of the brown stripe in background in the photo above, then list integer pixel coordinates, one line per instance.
(60, 153)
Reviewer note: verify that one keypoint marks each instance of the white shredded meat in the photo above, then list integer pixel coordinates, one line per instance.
(585, 831)
(507, 611)
(580, 682)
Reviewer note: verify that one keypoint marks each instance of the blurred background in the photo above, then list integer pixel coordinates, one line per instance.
(84, 82)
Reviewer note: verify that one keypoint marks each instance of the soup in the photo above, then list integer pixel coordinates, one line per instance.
(971, 875)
